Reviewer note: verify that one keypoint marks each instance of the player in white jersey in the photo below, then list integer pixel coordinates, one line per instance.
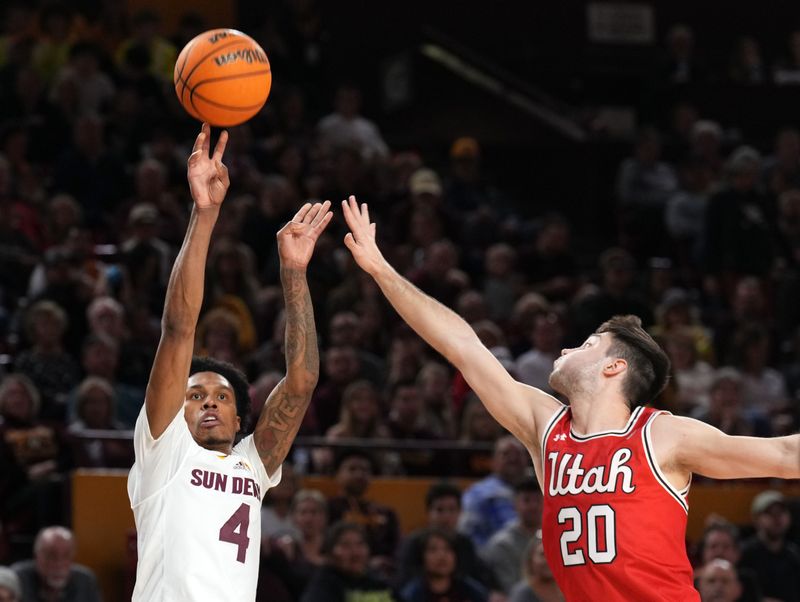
(195, 497)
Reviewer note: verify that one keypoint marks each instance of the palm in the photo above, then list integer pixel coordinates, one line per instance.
(296, 239)
(208, 176)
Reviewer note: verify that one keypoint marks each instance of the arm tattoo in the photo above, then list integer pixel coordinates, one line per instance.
(284, 410)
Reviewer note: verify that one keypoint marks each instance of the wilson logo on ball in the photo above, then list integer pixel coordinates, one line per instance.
(247, 55)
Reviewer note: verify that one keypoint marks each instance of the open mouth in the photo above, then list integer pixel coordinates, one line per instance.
(210, 422)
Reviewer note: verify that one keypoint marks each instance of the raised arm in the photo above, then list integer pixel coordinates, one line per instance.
(208, 183)
(284, 409)
(516, 406)
(691, 446)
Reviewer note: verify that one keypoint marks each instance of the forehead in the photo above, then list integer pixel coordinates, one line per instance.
(208, 380)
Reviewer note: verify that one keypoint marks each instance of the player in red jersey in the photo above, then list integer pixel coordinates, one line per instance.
(615, 474)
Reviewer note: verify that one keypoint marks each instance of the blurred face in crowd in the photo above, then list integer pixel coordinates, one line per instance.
(439, 558)
(718, 582)
(16, 402)
(353, 476)
(444, 512)
(773, 523)
(341, 364)
(406, 404)
(310, 517)
(509, 460)
(538, 564)
(100, 359)
(363, 404)
(547, 333)
(720, 544)
(726, 396)
(528, 505)
(350, 553)
(345, 329)
(96, 408)
(53, 555)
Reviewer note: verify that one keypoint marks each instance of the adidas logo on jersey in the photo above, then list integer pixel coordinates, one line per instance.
(242, 465)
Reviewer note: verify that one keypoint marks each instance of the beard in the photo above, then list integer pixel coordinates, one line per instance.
(568, 380)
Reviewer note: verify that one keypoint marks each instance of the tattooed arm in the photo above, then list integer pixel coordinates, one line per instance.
(285, 407)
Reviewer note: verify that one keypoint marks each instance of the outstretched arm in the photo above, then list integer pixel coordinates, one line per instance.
(516, 406)
(692, 446)
(208, 183)
(284, 409)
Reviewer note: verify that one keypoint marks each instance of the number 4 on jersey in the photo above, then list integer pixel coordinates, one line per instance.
(235, 531)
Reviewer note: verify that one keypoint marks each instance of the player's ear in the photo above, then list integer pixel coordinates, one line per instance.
(614, 366)
(238, 423)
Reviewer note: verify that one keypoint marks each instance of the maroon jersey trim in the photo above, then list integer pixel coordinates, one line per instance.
(622, 433)
(656, 469)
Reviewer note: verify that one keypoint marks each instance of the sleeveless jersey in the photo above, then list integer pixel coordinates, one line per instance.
(198, 516)
(613, 526)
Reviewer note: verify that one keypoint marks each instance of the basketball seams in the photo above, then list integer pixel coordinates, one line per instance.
(223, 70)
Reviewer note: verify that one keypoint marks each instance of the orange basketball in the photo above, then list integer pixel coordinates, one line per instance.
(223, 77)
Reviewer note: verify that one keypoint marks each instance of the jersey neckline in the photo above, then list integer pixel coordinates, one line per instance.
(618, 433)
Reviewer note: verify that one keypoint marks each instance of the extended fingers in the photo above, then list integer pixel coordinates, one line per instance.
(321, 212)
(301, 213)
(219, 149)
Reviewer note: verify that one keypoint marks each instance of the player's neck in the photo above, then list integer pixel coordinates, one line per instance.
(598, 414)
(222, 448)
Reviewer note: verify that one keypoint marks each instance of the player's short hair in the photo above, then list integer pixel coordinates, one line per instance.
(241, 388)
(648, 364)
(441, 490)
(335, 532)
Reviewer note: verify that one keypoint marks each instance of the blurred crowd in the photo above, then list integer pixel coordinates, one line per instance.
(94, 205)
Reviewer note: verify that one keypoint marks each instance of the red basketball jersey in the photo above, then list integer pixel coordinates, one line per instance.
(613, 526)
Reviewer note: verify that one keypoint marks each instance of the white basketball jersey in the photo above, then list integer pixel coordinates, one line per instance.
(198, 516)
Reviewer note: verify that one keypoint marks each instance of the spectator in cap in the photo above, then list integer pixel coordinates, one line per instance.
(10, 588)
(774, 559)
(467, 190)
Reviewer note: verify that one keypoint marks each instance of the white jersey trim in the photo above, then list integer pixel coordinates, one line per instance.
(678, 496)
(631, 422)
(545, 435)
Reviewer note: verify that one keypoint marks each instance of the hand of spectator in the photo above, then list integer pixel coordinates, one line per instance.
(297, 238)
(361, 238)
(208, 176)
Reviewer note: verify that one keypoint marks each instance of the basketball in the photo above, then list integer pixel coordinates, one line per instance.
(223, 77)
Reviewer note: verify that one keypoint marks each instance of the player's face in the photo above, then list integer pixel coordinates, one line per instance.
(574, 366)
(210, 410)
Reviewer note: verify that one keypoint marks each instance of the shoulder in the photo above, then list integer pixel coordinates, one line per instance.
(82, 573)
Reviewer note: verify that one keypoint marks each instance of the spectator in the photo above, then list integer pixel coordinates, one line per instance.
(551, 266)
(95, 410)
(439, 580)
(145, 33)
(488, 504)
(685, 210)
(775, 561)
(477, 426)
(341, 368)
(747, 65)
(763, 388)
(737, 213)
(443, 506)
(718, 582)
(505, 548)
(406, 422)
(53, 574)
(344, 577)
(547, 338)
(644, 185)
(721, 541)
(346, 330)
(360, 417)
(47, 363)
(10, 587)
(354, 470)
(677, 312)
(782, 168)
(537, 584)
(346, 126)
(787, 69)
(95, 88)
(693, 376)
(680, 66)
(276, 517)
(725, 410)
(433, 381)
(502, 283)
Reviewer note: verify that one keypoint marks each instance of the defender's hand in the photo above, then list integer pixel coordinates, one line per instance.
(361, 238)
